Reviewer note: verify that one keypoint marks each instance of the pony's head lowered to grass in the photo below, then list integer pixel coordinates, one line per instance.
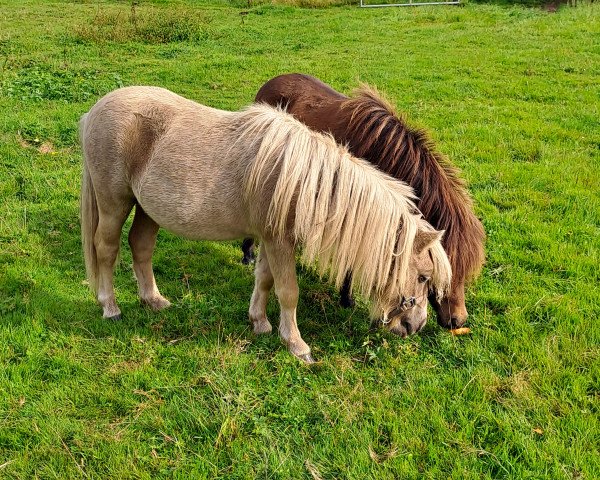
(347, 216)
(372, 129)
(402, 307)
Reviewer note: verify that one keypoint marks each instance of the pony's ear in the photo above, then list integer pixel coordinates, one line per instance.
(425, 239)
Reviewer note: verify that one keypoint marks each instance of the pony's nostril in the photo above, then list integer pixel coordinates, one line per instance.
(456, 322)
(408, 327)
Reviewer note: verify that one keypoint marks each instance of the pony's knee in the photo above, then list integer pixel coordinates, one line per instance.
(287, 295)
(263, 274)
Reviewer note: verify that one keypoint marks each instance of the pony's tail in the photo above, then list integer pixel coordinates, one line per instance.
(88, 211)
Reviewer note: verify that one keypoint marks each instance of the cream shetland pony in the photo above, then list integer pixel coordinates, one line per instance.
(209, 174)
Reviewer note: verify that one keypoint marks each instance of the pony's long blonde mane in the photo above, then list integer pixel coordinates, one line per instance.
(346, 214)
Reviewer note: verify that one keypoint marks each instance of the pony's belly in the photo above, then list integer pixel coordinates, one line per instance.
(193, 196)
(201, 225)
(196, 218)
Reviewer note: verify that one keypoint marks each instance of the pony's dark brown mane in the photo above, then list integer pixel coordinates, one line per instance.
(378, 134)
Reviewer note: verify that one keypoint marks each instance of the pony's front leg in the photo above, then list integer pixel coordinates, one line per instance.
(282, 262)
(263, 282)
(248, 251)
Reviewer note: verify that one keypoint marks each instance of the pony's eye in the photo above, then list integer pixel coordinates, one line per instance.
(423, 279)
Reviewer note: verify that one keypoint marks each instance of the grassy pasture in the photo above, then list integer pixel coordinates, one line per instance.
(511, 94)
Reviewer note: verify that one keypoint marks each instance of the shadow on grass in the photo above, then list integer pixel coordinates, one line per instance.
(206, 282)
(209, 289)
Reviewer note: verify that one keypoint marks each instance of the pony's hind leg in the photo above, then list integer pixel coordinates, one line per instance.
(142, 240)
(106, 241)
(263, 282)
(282, 263)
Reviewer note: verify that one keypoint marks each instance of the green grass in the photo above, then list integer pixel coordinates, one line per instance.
(510, 94)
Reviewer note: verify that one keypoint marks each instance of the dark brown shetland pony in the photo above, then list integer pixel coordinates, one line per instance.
(373, 131)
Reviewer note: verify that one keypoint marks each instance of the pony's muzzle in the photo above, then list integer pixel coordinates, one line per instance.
(450, 313)
(404, 328)
(405, 319)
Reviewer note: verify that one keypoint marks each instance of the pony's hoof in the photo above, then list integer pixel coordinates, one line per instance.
(115, 317)
(248, 259)
(261, 327)
(307, 358)
(157, 303)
